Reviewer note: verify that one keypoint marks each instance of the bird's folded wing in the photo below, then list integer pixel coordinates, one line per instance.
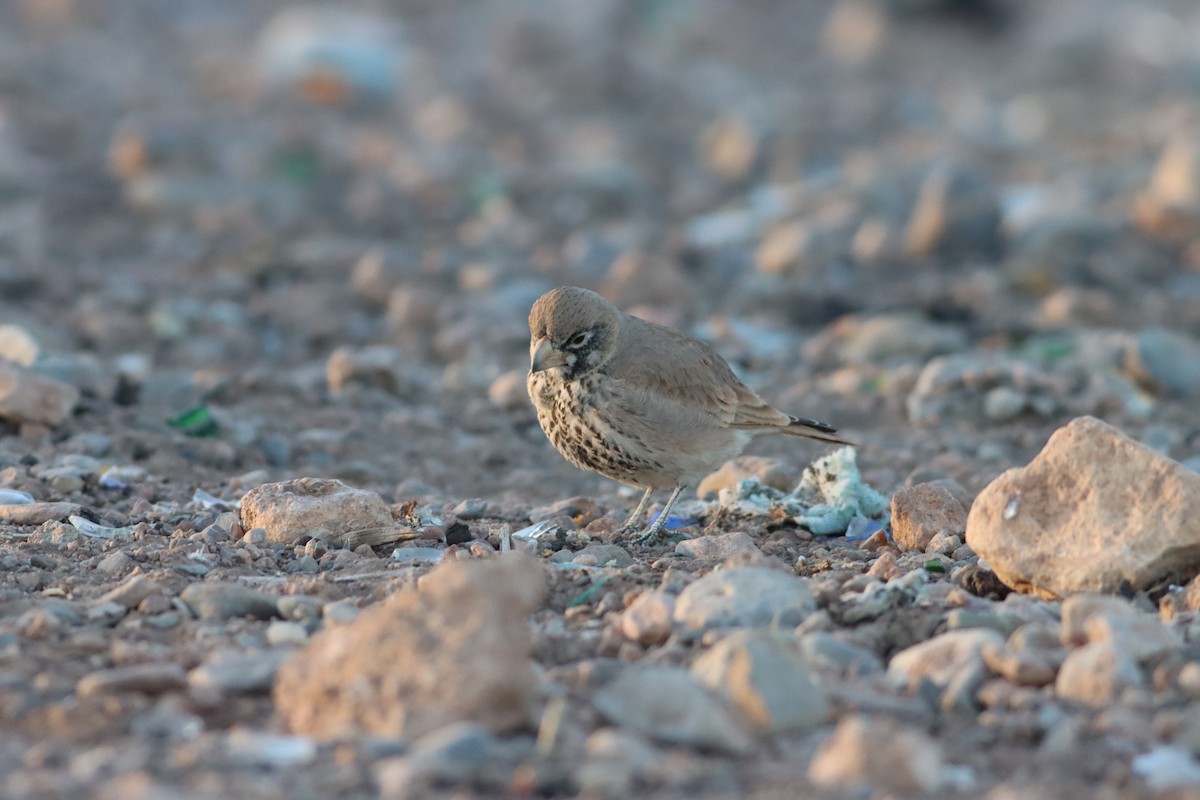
(691, 373)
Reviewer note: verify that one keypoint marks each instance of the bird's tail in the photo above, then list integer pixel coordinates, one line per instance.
(812, 429)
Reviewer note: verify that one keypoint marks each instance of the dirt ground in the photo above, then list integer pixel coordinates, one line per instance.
(327, 261)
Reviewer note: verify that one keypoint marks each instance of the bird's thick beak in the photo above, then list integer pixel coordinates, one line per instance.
(542, 355)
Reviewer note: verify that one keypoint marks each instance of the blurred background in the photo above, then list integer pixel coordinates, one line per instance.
(326, 223)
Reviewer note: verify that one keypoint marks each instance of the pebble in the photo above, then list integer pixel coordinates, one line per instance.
(951, 387)
(26, 396)
(36, 513)
(280, 632)
(114, 564)
(418, 555)
(132, 591)
(826, 652)
(1166, 767)
(766, 677)
(596, 555)
(238, 672)
(1167, 360)
(879, 755)
(718, 547)
(319, 508)
(299, 607)
(921, 512)
(647, 620)
(454, 649)
(255, 748)
(18, 346)
(471, 509)
(1142, 637)
(1095, 511)
(1004, 403)
(106, 614)
(1024, 667)
(333, 51)
(144, 678)
(221, 601)
(669, 705)
(881, 338)
(1096, 674)
(743, 597)
(614, 761)
(957, 213)
(952, 661)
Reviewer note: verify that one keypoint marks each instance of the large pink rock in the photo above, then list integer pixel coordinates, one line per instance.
(1093, 512)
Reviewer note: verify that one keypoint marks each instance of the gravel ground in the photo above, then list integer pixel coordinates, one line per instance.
(250, 249)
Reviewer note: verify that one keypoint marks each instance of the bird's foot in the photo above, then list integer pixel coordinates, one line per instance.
(652, 535)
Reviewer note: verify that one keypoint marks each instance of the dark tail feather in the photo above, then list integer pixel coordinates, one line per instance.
(812, 429)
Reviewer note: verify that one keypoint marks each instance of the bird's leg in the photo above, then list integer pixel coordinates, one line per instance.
(656, 527)
(631, 524)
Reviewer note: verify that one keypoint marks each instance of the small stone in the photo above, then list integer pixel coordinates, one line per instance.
(377, 367)
(1142, 637)
(669, 705)
(471, 509)
(1095, 511)
(614, 762)
(743, 597)
(18, 346)
(305, 565)
(718, 547)
(418, 555)
(456, 648)
(452, 754)
(826, 652)
(1096, 674)
(884, 567)
(280, 632)
(299, 607)
(26, 396)
(319, 508)
(132, 591)
(957, 213)
(220, 601)
(1079, 608)
(941, 659)
(771, 472)
(921, 512)
(36, 513)
(877, 754)
(1024, 667)
(1167, 767)
(1166, 360)
(237, 672)
(107, 614)
(883, 338)
(647, 620)
(597, 555)
(765, 676)
(114, 563)
(1004, 403)
(144, 678)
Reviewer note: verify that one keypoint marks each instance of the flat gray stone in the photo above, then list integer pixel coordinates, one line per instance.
(744, 597)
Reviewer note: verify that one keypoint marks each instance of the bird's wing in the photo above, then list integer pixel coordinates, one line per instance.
(691, 373)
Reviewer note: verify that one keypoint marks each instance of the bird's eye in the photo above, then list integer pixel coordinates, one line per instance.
(579, 340)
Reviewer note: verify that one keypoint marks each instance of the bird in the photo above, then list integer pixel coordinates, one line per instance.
(641, 403)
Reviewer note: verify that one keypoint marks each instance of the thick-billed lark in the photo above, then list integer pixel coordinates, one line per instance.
(640, 403)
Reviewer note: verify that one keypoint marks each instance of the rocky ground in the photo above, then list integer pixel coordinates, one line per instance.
(276, 518)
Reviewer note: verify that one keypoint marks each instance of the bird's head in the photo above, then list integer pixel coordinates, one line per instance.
(572, 329)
